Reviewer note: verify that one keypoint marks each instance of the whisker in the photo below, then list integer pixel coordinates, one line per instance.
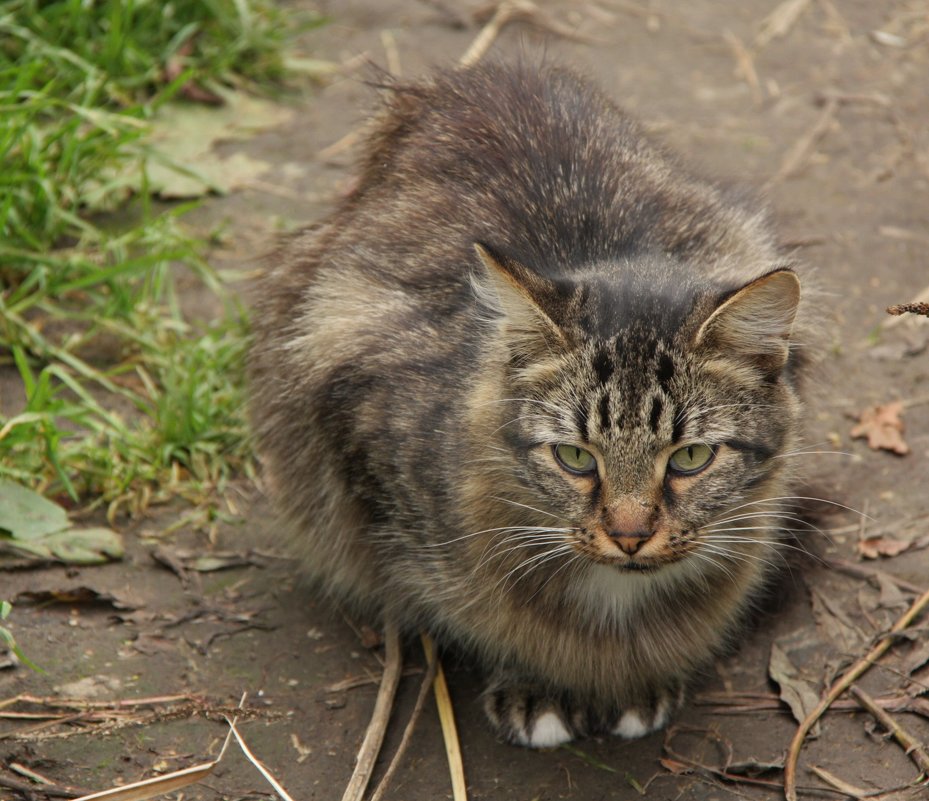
(531, 564)
(737, 556)
(573, 561)
(714, 562)
(545, 529)
(523, 506)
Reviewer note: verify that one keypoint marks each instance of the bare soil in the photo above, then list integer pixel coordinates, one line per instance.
(830, 120)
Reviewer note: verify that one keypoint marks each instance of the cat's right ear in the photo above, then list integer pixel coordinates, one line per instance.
(523, 299)
(755, 322)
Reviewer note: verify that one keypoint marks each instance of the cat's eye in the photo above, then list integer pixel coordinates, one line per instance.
(575, 459)
(690, 459)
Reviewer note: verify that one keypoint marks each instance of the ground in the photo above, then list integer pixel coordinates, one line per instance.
(828, 117)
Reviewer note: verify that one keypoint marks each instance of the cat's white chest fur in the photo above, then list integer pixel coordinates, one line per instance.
(611, 595)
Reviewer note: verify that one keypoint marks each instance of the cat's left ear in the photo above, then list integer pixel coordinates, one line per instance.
(755, 322)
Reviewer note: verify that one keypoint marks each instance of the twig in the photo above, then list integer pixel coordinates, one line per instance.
(865, 571)
(257, 762)
(850, 789)
(914, 748)
(745, 64)
(28, 788)
(22, 770)
(839, 687)
(803, 148)
(922, 297)
(482, 42)
(447, 719)
(909, 308)
(374, 736)
(510, 11)
(424, 688)
(391, 53)
(779, 22)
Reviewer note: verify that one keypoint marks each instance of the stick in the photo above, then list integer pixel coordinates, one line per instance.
(424, 688)
(482, 42)
(804, 146)
(914, 748)
(909, 308)
(374, 736)
(447, 718)
(863, 571)
(856, 670)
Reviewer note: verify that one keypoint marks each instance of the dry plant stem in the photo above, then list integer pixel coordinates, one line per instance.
(27, 788)
(803, 148)
(374, 736)
(863, 571)
(922, 297)
(424, 688)
(257, 763)
(914, 747)
(856, 670)
(850, 789)
(447, 719)
(909, 308)
(482, 42)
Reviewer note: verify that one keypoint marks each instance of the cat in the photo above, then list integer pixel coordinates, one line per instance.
(527, 388)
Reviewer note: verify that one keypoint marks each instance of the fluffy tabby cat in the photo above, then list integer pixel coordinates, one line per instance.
(527, 388)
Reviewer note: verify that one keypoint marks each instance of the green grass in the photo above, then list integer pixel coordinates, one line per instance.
(124, 399)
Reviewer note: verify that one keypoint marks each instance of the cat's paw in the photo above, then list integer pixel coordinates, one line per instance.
(523, 715)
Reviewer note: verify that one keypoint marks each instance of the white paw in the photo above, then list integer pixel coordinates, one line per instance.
(548, 731)
(631, 726)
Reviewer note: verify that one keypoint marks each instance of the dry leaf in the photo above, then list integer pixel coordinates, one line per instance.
(835, 624)
(185, 163)
(797, 693)
(876, 547)
(675, 767)
(883, 428)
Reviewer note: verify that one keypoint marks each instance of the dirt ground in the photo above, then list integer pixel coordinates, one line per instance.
(829, 116)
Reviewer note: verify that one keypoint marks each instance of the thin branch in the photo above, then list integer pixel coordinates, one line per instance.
(374, 736)
(803, 148)
(424, 688)
(447, 719)
(914, 748)
(839, 687)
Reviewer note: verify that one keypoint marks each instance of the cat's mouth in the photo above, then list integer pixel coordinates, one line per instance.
(639, 567)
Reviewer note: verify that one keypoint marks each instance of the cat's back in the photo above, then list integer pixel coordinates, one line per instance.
(529, 157)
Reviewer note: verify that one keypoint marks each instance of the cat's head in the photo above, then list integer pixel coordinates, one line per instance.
(646, 410)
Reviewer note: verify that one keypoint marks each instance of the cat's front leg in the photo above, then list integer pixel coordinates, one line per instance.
(527, 714)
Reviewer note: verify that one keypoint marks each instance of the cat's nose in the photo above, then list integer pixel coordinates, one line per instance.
(629, 542)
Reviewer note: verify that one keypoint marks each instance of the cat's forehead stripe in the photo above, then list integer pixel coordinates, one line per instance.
(603, 365)
(665, 370)
(605, 421)
(655, 415)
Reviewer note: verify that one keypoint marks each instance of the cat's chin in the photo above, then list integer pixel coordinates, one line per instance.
(639, 567)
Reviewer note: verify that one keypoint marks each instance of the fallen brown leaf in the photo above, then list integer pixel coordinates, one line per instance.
(795, 691)
(883, 428)
(876, 547)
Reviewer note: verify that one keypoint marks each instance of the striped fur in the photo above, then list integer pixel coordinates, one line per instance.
(519, 267)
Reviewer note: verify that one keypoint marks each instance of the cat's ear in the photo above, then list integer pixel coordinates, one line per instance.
(527, 302)
(755, 322)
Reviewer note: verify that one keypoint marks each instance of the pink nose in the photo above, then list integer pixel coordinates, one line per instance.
(629, 542)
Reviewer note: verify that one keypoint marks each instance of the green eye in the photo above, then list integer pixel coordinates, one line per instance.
(574, 459)
(691, 459)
